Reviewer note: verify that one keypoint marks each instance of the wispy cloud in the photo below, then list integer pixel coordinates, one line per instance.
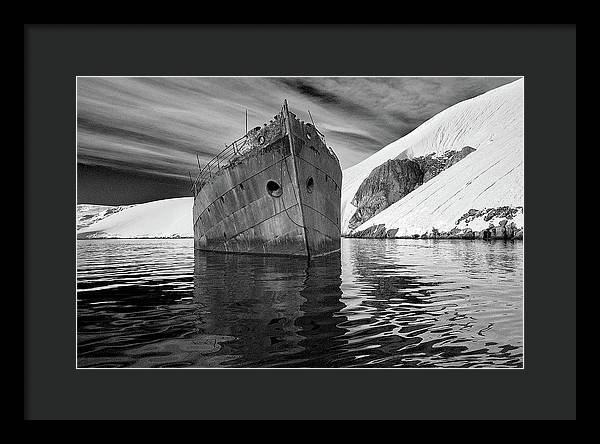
(159, 125)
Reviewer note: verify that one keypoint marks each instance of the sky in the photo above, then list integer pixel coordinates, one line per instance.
(138, 137)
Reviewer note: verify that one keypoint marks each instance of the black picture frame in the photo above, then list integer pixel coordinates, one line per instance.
(55, 55)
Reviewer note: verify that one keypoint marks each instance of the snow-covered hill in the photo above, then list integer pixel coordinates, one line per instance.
(162, 218)
(88, 214)
(491, 177)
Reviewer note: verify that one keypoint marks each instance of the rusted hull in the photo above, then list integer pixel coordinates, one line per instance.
(280, 199)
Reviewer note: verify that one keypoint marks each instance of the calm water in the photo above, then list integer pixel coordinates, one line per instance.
(380, 303)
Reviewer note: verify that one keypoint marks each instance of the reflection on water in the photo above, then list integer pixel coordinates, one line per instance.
(380, 303)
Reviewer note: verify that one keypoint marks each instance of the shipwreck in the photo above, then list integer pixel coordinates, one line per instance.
(274, 191)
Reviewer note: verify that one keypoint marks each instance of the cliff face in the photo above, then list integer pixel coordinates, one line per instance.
(385, 185)
(390, 182)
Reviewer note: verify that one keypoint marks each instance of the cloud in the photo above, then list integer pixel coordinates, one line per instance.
(158, 125)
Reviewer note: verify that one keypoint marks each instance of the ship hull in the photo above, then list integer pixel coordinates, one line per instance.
(280, 199)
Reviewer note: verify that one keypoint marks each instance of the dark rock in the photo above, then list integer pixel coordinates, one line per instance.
(374, 231)
(488, 214)
(506, 232)
(510, 230)
(430, 166)
(505, 211)
(468, 234)
(380, 231)
(496, 233)
(457, 156)
(392, 232)
(386, 184)
(469, 216)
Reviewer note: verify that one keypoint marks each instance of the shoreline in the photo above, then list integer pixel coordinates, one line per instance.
(504, 230)
(132, 238)
(343, 237)
(438, 238)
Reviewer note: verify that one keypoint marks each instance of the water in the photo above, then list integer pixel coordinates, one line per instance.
(379, 303)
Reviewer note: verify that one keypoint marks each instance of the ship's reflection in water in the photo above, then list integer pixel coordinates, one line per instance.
(388, 303)
(266, 311)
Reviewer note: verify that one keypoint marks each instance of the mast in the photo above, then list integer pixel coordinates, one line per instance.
(288, 127)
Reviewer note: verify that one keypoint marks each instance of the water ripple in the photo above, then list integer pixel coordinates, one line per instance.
(380, 303)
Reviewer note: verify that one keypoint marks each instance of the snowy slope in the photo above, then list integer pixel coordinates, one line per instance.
(161, 218)
(88, 214)
(492, 123)
(491, 177)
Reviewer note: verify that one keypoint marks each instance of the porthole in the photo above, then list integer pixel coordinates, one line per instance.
(274, 189)
(310, 183)
(261, 140)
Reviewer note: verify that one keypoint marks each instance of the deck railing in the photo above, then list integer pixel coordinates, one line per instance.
(235, 149)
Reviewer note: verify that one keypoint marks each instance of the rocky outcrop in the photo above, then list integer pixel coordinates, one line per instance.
(391, 181)
(457, 156)
(490, 223)
(431, 165)
(488, 214)
(505, 230)
(386, 184)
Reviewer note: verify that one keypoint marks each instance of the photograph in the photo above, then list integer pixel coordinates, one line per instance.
(279, 222)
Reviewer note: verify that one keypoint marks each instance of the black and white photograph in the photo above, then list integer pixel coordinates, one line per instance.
(307, 222)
